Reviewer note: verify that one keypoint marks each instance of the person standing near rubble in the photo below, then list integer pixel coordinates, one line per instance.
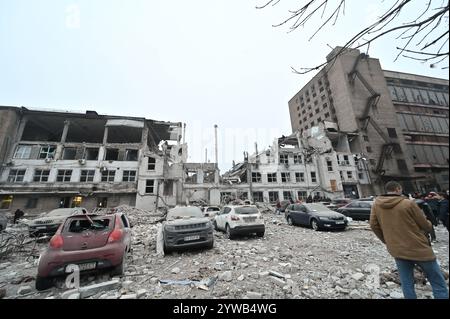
(401, 225)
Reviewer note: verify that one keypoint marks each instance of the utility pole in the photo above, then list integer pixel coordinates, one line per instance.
(249, 176)
(216, 145)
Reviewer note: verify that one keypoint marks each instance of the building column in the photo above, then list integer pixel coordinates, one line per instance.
(20, 129)
(59, 147)
(105, 136)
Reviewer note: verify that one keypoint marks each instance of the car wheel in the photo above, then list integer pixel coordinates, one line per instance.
(315, 224)
(120, 269)
(43, 283)
(228, 232)
(260, 234)
(290, 221)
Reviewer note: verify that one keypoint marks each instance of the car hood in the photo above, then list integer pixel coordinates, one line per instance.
(187, 221)
(327, 214)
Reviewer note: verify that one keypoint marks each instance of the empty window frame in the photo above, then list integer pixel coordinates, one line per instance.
(369, 149)
(191, 177)
(64, 175)
(151, 164)
(392, 132)
(112, 154)
(313, 177)
(285, 177)
(273, 197)
(47, 152)
(330, 166)
(131, 155)
(41, 175)
(108, 176)
(129, 176)
(297, 159)
(256, 177)
(402, 165)
(168, 188)
(31, 203)
(299, 177)
(69, 153)
(16, 175)
(284, 159)
(150, 186)
(23, 152)
(287, 195)
(87, 175)
(91, 154)
(258, 197)
(272, 177)
(349, 174)
(301, 195)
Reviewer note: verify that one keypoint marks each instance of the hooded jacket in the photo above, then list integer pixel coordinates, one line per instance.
(402, 226)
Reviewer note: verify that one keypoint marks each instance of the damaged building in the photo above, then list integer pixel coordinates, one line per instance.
(295, 167)
(64, 159)
(396, 122)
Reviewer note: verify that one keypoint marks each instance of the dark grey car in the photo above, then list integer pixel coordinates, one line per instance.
(357, 210)
(317, 216)
(186, 227)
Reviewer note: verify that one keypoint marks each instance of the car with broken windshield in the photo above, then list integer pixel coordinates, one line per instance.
(240, 220)
(91, 242)
(315, 215)
(187, 227)
(48, 223)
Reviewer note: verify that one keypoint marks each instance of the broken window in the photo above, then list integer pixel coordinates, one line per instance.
(129, 176)
(87, 175)
(272, 177)
(108, 176)
(91, 154)
(47, 152)
(349, 174)
(366, 138)
(299, 177)
(65, 202)
(31, 203)
(273, 197)
(258, 197)
(287, 195)
(297, 159)
(256, 177)
(64, 175)
(124, 134)
(102, 202)
(16, 175)
(209, 176)
(168, 188)
(369, 149)
(392, 132)
(330, 166)
(191, 177)
(402, 165)
(243, 196)
(149, 186)
(151, 163)
(23, 152)
(302, 195)
(131, 155)
(6, 201)
(285, 177)
(112, 154)
(41, 175)
(313, 177)
(69, 153)
(284, 159)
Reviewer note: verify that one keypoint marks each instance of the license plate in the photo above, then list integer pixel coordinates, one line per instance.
(87, 266)
(191, 238)
(249, 220)
(340, 222)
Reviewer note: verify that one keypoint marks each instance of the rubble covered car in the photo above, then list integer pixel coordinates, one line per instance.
(48, 223)
(187, 227)
(240, 220)
(92, 242)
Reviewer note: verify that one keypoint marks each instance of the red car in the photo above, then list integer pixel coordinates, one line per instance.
(92, 242)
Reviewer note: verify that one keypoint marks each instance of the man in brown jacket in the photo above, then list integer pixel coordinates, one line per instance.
(402, 226)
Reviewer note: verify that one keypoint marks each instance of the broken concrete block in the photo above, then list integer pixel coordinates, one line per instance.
(153, 280)
(391, 284)
(253, 295)
(276, 274)
(175, 270)
(241, 277)
(277, 281)
(226, 276)
(131, 296)
(127, 284)
(23, 290)
(141, 293)
(396, 295)
(358, 276)
(75, 295)
(94, 289)
(264, 273)
(354, 294)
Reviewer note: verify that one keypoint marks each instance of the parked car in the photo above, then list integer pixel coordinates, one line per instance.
(186, 227)
(315, 215)
(357, 210)
(240, 220)
(49, 222)
(340, 202)
(210, 211)
(93, 242)
(367, 199)
(3, 222)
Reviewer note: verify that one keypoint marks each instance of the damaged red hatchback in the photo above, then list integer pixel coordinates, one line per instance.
(93, 242)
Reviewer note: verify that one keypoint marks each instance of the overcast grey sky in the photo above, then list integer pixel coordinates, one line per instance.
(202, 62)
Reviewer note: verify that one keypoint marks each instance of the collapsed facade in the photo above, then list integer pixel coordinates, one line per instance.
(63, 159)
(397, 122)
(295, 167)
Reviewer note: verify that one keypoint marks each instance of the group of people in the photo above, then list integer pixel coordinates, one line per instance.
(403, 227)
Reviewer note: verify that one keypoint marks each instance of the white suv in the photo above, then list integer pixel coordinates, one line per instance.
(239, 220)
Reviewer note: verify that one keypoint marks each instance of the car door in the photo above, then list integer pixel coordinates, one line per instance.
(351, 210)
(364, 211)
(127, 230)
(303, 215)
(222, 219)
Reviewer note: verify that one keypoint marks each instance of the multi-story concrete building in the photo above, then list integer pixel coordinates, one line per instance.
(295, 167)
(63, 159)
(371, 108)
